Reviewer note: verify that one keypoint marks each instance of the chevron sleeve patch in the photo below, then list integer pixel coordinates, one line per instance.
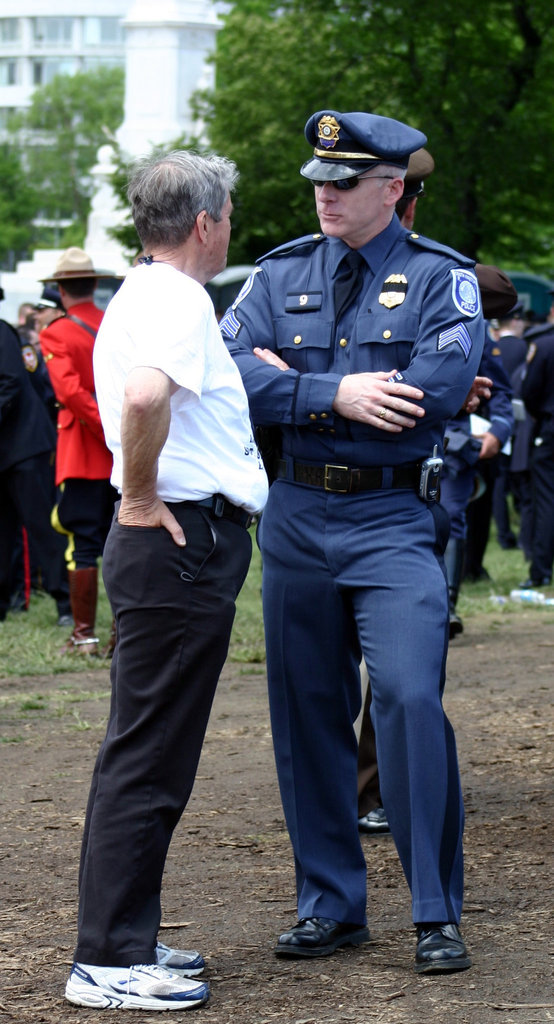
(459, 335)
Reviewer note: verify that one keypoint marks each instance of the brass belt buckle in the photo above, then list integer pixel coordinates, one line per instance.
(330, 481)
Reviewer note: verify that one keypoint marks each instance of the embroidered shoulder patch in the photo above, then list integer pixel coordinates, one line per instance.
(458, 334)
(230, 325)
(246, 288)
(465, 292)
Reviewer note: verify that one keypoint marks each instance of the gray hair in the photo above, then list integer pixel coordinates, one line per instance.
(391, 169)
(167, 193)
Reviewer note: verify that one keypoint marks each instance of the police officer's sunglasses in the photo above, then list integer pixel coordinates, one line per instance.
(345, 184)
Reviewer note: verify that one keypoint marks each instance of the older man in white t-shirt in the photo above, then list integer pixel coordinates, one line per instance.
(175, 416)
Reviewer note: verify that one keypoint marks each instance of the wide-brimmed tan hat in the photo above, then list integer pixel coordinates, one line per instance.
(74, 263)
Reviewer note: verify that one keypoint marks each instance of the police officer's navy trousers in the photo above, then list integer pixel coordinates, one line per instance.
(337, 567)
(174, 609)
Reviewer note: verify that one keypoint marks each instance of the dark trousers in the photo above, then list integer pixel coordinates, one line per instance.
(478, 516)
(26, 499)
(85, 512)
(542, 482)
(369, 789)
(500, 507)
(174, 608)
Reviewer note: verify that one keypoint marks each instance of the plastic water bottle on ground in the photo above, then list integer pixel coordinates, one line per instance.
(527, 596)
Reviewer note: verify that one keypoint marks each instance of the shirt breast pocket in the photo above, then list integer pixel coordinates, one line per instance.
(384, 341)
(305, 342)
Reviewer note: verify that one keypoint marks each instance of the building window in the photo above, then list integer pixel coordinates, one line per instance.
(45, 69)
(48, 31)
(102, 32)
(9, 30)
(8, 72)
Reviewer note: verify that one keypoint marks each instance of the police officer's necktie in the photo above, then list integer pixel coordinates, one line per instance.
(348, 281)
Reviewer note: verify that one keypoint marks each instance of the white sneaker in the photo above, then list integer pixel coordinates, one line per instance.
(186, 962)
(141, 987)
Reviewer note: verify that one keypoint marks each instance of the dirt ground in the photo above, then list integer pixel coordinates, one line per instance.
(228, 887)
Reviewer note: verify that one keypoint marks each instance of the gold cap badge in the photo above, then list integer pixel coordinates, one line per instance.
(328, 131)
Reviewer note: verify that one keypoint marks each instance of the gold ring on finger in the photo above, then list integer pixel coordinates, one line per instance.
(383, 413)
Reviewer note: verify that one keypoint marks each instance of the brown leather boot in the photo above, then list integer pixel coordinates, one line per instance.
(83, 595)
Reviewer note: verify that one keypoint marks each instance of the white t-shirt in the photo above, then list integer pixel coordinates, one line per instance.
(164, 319)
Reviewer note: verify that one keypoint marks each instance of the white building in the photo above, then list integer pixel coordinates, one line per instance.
(163, 45)
(43, 38)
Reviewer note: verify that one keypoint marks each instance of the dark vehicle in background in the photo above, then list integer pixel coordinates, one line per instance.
(224, 287)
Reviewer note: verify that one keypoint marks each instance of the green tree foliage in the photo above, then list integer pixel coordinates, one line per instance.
(59, 136)
(17, 207)
(476, 78)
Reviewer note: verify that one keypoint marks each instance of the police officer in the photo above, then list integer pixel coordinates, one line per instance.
(537, 391)
(352, 539)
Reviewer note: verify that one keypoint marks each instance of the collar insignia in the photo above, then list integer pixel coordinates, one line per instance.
(328, 130)
(394, 291)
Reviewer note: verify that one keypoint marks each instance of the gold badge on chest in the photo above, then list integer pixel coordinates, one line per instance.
(394, 291)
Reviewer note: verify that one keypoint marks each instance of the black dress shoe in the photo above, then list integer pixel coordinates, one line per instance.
(532, 584)
(319, 936)
(440, 947)
(374, 823)
(455, 624)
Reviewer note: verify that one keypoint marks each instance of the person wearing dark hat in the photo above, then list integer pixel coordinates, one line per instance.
(372, 819)
(464, 452)
(497, 293)
(48, 308)
(83, 462)
(537, 391)
(381, 334)
(33, 561)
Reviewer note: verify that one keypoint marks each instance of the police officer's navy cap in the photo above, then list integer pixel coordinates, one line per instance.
(50, 299)
(349, 144)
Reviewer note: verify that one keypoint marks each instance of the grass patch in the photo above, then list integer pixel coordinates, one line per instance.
(506, 570)
(30, 641)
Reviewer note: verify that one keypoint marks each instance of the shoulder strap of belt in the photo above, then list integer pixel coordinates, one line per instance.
(81, 323)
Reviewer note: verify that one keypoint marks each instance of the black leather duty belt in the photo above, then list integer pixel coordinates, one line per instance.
(223, 509)
(350, 479)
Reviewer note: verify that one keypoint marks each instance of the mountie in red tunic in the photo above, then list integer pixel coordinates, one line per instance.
(67, 348)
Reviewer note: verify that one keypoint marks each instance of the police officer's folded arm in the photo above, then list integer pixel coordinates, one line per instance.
(445, 358)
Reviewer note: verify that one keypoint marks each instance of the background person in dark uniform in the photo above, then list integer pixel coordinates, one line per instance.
(83, 462)
(497, 294)
(29, 571)
(472, 459)
(513, 352)
(537, 391)
(352, 554)
(372, 819)
(27, 446)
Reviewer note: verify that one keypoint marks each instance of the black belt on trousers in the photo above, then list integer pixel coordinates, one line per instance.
(223, 509)
(350, 479)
